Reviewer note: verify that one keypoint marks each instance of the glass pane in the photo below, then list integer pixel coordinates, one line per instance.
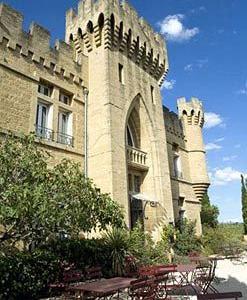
(137, 184)
(129, 138)
(43, 116)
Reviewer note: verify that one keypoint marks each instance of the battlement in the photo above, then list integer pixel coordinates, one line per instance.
(173, 123)
(191, 112)
(117, 26)
(35, 45)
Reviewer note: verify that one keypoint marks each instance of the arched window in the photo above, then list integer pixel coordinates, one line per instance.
(112, 27)
(79, 32)
(129, 40)
(101, 20)
(90, 27)
(120, 36)
(129, 137)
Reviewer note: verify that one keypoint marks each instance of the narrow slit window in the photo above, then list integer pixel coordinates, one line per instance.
(120, 73)
(152, 94)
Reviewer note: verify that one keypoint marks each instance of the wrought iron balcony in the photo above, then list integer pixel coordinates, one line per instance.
(65, 139)
(44, 133)
(137, 158)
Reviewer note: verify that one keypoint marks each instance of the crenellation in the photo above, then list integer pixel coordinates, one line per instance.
(11, 20)
(40, 37)
(191, 111)
(131, 23)
(35, 45)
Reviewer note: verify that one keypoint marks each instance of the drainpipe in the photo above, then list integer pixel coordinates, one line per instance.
(85, 93)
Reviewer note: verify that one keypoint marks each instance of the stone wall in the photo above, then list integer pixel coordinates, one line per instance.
(26, 59)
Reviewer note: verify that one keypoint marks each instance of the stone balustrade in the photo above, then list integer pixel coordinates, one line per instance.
(137, 157)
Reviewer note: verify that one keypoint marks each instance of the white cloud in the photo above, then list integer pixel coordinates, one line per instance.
(243, 91)
(212, 146)
(188, 67)
(198, 10)
(237, 146)
(168, 85)
(220, 140)
(225, 176)
(229, 158)
(174, 30)
(212, 120)
(199, 64)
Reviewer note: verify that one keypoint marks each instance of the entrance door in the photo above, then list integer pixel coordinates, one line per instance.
(136, 205)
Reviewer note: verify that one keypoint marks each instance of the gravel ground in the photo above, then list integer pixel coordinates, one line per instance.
(231, 275)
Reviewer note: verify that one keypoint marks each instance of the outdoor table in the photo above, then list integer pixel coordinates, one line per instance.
(181, 279)
(102, 288)
(205, 272)
(186, 273)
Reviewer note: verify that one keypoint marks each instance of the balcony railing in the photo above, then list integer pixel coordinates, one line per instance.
(49, 135)
(65, 139)
(44, 133)
(137, 157)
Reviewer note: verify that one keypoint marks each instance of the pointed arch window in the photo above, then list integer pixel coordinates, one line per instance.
(129, 137)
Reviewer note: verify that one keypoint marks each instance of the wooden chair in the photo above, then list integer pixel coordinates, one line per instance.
(69, 276)
(93, 273)
(143, 289)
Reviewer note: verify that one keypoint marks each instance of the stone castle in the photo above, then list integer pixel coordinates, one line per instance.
(95, 98)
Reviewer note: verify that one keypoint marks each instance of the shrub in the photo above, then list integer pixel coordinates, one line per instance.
(38, 201)
(83, 253)
(26, 276)
(226, 239)
(186, 240)
(142, 246)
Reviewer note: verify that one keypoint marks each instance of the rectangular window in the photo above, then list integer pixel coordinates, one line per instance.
(42, 115)
(137, 184)
(45, 89)
(120, 73)
(64, 129)
(130, 182)
(63, 122)
(177, 167)
(64, 98)
(152, 94)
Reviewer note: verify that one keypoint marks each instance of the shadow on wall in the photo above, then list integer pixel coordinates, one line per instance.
(231, 284)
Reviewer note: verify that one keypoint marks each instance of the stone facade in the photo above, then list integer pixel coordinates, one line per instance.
(95, 98)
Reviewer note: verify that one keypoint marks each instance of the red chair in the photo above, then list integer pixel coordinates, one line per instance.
(143, 289)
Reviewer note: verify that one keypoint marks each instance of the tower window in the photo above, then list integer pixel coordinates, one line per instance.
(121, 73)
(65, 98)
(152, 94)
(177, 166)
(45, 89)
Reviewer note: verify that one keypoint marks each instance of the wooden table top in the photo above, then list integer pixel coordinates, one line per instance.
(104, 285)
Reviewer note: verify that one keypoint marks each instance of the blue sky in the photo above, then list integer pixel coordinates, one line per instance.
(207, 48)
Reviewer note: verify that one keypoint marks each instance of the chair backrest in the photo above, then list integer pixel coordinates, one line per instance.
(70, 276)
(143, 289)
(93, 273)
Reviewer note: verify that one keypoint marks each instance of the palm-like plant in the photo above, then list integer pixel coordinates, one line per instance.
(117, 241)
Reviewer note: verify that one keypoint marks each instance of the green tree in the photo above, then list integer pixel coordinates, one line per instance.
(209, 213)
(244, 202)
(37, 202)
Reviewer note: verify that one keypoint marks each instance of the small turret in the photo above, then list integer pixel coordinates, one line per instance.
(192, 117)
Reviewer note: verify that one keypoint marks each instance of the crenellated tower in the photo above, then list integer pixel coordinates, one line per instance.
(192, 116)
(127, 63)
